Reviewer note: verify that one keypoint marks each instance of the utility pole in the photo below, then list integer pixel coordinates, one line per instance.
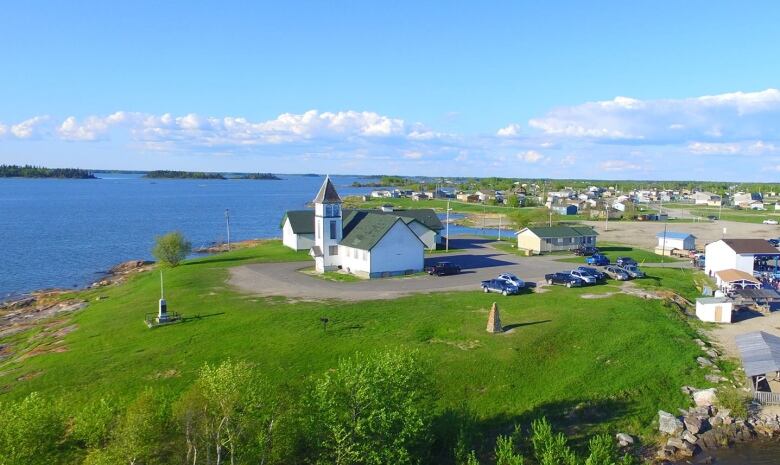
(606, 217)
(227, 224)
(551, 218)
(447, 244)
(663, 245)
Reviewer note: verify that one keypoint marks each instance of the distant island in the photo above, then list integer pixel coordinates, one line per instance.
(165, 174)
(260, 176)
(27, 171)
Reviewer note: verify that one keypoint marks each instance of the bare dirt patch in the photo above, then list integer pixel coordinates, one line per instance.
(172, 373)
(30, 375)
(462, 345)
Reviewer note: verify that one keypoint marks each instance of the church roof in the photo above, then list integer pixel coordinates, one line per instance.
(367, 229)
(327, 193)
(301, 221)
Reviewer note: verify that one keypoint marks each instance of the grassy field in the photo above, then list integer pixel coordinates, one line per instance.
(548, 364)
(613, 251)
(437, 204)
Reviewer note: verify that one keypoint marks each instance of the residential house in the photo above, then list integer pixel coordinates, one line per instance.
(670, 240)
(555, 238)
(744, 255)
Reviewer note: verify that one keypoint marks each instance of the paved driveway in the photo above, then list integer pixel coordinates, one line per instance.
(478, 262)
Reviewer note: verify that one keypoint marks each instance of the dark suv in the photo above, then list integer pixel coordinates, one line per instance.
(443, 269)
(586, 250)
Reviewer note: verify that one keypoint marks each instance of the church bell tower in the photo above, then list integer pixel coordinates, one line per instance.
(327, 227)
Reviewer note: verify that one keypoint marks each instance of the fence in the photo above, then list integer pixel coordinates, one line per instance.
(767, 398)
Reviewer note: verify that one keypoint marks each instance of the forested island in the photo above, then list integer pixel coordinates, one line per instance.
(28, 171)
(260, 176)
(166, 174)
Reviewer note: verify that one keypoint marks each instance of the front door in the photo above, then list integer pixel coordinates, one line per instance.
(718, 313)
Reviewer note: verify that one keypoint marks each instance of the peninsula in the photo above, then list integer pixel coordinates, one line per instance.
(28, 171)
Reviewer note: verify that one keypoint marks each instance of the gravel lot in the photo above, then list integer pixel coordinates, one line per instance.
(478, 261)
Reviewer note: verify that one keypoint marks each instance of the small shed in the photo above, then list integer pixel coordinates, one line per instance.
(714, 309)
(565, 210)
(676, 240)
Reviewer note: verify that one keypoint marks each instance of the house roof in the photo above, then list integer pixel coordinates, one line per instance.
(751, 246)
(675, 235)
(301, 221)
(367, 229)
(760, 352)
(712, 300)
(426, 216)
(327, 193)
(561, 231)
(730, 275)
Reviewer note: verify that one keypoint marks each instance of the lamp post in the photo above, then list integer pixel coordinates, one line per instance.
(663, 245)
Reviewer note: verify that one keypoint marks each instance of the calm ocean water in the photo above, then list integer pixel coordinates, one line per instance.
(65, 232)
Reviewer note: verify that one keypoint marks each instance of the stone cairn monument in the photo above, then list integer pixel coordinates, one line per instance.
(494, 320)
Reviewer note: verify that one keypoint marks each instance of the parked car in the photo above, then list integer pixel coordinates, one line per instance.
(712, 217)
(633, 271)
(586, 277)
(512, 279)
(586, 250)
(499, 285)
(774, 222)
(617, 273)
(774, 242)
(443, 269)
(600, 277)
(623, 261)
(563, 278)
(597, 259)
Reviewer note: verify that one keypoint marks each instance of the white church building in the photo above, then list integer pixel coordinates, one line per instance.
(366, 243)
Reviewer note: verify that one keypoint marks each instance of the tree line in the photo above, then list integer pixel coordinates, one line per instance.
(29, 171)
(370, 409)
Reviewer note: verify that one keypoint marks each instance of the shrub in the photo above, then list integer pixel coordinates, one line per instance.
(170, 249)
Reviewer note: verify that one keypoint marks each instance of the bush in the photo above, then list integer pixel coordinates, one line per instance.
(30, 431)
(170, 249)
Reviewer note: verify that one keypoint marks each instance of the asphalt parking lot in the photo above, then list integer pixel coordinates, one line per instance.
(478, 261)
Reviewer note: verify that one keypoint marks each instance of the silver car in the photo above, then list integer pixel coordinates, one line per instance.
(633, 271)
(586, 277)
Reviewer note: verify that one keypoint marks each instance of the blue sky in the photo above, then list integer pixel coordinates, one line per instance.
(658, 90)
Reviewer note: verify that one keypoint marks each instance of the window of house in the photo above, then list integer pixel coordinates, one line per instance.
(364, 255)
(354, 253)
(317, 229)
(333, 250)
(336, 209)
(548, 241)
(333, 230)
(328, 209)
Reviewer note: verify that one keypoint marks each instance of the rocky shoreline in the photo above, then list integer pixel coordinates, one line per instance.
(707, 425)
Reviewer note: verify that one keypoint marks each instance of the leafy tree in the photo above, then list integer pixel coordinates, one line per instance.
(550, 448)
(170, 249)
(506, 453)
(92, 425)
(228, 412)
(372, 410)
(512, 201)
(140, 435)
(602, 451)
(30, 431)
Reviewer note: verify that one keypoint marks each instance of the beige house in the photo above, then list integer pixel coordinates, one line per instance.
(555, 238)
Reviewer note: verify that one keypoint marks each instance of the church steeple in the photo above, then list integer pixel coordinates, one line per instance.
(327, 193)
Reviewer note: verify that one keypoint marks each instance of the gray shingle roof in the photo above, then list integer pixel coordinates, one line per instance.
(760, 352)
(367, 229)
(562, 231)
(754, 246)
(301, 221)
(327, 193)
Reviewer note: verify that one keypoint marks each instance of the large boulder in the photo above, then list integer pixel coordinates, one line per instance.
(669, 424)
(705, 397)
(693, 424)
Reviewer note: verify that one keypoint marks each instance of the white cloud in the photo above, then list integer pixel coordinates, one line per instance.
(726, 117)
(92, 128)
(413, 155)
(29, 127)
(512, 130)
(3, 129)
(619, 165)
(732, 148)
(531, 156)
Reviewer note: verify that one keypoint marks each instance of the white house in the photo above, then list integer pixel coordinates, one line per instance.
(369, 243)
(675, 240)
(714, 309)
(737, 254)
(707, 198)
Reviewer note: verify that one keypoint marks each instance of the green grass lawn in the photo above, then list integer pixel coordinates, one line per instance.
(613, 251)
(549, 363)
